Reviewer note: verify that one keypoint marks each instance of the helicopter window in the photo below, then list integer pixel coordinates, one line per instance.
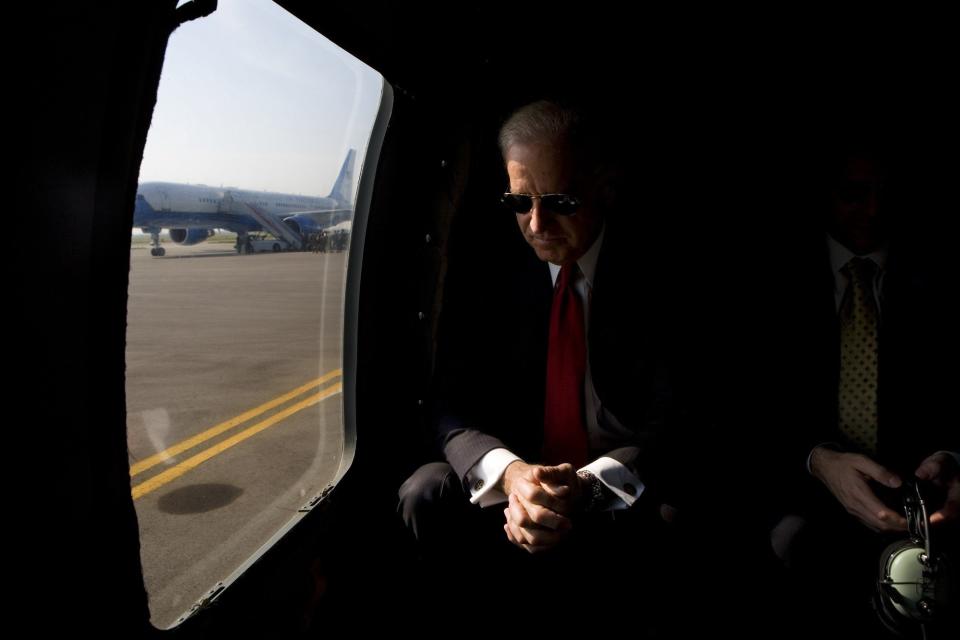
(236, 307)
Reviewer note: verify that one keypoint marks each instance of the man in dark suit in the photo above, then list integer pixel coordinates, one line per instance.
(871, 398)
(550, 400)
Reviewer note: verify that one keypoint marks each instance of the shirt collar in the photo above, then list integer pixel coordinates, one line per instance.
(587, 262)
(841, 255)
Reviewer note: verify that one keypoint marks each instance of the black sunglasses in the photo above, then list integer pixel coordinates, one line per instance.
(557, 203)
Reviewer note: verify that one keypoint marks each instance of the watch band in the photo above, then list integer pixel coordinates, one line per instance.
(594, 497)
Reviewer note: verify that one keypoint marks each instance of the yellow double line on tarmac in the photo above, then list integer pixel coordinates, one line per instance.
(191, 463)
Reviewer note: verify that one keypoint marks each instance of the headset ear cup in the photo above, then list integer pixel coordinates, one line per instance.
(899, 607)
(883, 597)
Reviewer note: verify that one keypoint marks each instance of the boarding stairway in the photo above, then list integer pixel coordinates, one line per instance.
(269, 223)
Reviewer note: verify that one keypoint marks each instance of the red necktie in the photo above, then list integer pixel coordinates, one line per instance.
(565, 431)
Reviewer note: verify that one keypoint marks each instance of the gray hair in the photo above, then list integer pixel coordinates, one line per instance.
(567, 129)
(544, 122)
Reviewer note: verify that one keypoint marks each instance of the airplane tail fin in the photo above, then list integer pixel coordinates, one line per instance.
(342, 190)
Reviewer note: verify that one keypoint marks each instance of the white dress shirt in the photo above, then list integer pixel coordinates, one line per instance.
(840, 256)
(602, 426)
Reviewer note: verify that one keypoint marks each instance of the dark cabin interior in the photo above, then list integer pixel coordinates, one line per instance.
(713, 112)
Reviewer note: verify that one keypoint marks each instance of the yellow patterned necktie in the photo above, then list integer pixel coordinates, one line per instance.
(859, 334)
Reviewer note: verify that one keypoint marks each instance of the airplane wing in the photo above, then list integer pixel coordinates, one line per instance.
(308, 212)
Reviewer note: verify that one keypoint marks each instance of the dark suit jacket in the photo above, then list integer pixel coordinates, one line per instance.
(915, 347)
(493, 349)
(667, 341)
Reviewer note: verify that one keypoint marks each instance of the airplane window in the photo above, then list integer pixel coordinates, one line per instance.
(236, 296)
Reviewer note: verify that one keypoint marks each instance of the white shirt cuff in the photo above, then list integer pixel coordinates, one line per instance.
(620, 480)
(484, 476)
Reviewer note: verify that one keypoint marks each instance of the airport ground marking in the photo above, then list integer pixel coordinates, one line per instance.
(193, 462)
(213, 432)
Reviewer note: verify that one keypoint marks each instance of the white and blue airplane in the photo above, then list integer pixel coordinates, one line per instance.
(191, 213)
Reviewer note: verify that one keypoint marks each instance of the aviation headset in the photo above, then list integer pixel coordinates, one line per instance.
(913, 587)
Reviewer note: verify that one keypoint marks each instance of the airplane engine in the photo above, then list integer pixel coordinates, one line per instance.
(189, 237)
(306, 223)
(301, 225)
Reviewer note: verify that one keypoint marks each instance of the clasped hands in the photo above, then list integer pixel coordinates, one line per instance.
(542, 501)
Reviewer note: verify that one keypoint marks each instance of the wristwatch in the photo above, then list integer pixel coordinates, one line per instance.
(593, 497)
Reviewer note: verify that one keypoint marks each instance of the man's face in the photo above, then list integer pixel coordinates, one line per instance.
(855, 218)
(538, 169)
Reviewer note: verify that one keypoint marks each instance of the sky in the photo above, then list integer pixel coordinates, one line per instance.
(251, 97)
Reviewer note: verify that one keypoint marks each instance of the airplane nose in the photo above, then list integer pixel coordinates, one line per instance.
(141, 210)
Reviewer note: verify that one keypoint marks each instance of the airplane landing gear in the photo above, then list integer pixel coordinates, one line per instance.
(156, 251)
